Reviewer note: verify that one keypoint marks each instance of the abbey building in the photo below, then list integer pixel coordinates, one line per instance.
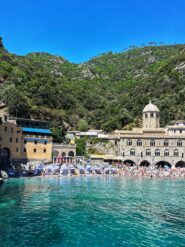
(149, 145)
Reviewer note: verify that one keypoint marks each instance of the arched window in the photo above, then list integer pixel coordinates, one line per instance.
(132, 152)
(148, 152)
(166, 152)
(71, 154)
(157, 152)
(139, 143)
(55, 153)
(179, 143)
(152, 143)
(63, 154)
(129, 142)
(166, 143)
(146, 115)
(176, 152)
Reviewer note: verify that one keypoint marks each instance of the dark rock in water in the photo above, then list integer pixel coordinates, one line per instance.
(3, 175)
(1, 181)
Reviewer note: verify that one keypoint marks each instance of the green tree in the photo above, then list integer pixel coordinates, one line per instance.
(16, 101)
(81, 147)
(82, 125)
(58, 135)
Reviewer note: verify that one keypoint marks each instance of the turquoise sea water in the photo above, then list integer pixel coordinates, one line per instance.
(98, 212)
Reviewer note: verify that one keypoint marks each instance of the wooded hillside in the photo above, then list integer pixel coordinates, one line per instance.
(108, 92)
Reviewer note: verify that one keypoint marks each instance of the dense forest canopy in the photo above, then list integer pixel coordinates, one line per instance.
(108, 92)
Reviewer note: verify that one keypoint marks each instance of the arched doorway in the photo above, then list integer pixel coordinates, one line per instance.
(55, 154)
(5, 155)
(145, 163)
(129, 163)
(63, 154)
(180, 164)
(71, 154)
(163, 164)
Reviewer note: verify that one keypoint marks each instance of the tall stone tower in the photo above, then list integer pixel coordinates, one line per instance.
(151, 116)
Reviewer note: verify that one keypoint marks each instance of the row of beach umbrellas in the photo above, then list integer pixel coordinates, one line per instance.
(66, 169)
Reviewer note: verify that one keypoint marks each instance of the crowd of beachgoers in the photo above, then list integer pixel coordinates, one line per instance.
(102, 170)
(98, 170)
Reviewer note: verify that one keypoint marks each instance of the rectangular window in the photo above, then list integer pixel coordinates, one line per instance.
(25, 141)
(35, 150)
(5, 129)
(17, 149)
(17, 140)
(24, 150)
(11, 130)
(45, 142)
(35, 142)
(10, 139)
(44, 150)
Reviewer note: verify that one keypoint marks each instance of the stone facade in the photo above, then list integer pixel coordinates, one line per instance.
(64, 153)
(63, 150)
(150, 145)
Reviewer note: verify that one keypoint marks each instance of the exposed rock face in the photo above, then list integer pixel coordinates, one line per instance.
(1, 43)
(181, 66)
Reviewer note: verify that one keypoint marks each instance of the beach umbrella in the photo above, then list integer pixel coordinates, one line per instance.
(80, 167)
(166, 167)
(97, 169)
(64, 167)
(114, 170)
(89, 168)
(71, 167)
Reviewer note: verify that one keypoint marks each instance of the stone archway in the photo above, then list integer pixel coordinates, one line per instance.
(145, 163)
(55, 154)
(5, 156)
(63, 154)
(71, 154)
(163, 164)
(6, 153)
(180, 164)
(129, 163)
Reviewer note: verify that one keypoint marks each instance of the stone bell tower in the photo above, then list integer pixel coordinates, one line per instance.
(151, 116)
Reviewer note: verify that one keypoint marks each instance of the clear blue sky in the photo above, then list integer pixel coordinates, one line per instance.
(81, 29)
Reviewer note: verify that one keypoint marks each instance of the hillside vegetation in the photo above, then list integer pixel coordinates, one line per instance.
(107, 92)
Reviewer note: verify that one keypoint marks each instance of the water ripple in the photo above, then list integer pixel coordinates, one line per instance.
(92, 212)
